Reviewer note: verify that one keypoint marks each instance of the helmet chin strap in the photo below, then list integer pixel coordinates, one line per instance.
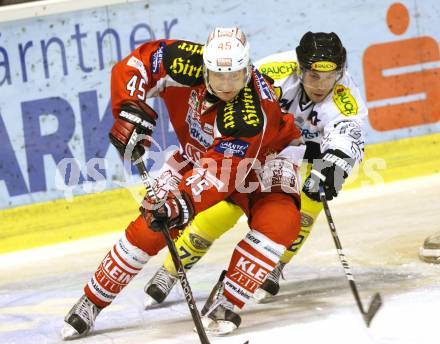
(248, 73)
(206, 79)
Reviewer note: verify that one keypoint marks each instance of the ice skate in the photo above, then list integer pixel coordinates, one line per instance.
(271, 285)
(80, 319)
(159, 287)
(430, 252)
(218, 316)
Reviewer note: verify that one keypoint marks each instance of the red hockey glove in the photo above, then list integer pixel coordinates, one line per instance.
(176, 211)
(133, 116)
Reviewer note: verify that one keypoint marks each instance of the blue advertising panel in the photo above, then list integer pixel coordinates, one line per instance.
(55, 75)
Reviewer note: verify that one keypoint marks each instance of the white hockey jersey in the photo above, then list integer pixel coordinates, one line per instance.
(334, 123)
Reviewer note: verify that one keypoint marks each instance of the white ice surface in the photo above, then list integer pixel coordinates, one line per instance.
(381, 229)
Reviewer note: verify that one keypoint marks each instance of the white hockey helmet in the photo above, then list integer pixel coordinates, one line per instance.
(227, 50)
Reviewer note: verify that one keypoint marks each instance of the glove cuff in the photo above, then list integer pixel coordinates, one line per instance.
(186, 210)
(339, 159)
(186, 207)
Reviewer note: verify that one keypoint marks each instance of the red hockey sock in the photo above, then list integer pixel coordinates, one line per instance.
(118, 268)
(253, 259)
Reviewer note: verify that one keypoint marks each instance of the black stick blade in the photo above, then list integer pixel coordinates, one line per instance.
(375, 304)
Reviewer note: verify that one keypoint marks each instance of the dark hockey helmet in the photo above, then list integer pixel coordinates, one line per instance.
(321, 51)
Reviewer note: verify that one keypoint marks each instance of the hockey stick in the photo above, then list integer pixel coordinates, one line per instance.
(136, 158)
(377, 299)
(176, 259)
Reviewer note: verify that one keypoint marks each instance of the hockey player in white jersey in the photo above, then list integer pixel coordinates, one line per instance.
(312, 83)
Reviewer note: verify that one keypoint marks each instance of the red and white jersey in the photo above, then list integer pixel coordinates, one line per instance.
(333, 123)
(223, 140)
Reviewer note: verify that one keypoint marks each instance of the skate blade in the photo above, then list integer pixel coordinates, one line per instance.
(262, 296)
(150, 303)
(217, 328)
(429, 255)
(68, 332)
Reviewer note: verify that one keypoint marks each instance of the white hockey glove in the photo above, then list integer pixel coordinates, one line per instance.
(330, 171)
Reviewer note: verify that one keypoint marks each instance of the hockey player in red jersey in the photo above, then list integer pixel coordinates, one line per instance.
(230, 128)
(312, 82)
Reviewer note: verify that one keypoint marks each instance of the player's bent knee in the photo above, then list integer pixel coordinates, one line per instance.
(277, 216)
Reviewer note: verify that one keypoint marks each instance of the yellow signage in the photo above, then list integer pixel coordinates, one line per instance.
(278, 70)
(324, 66)
(345, 101)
